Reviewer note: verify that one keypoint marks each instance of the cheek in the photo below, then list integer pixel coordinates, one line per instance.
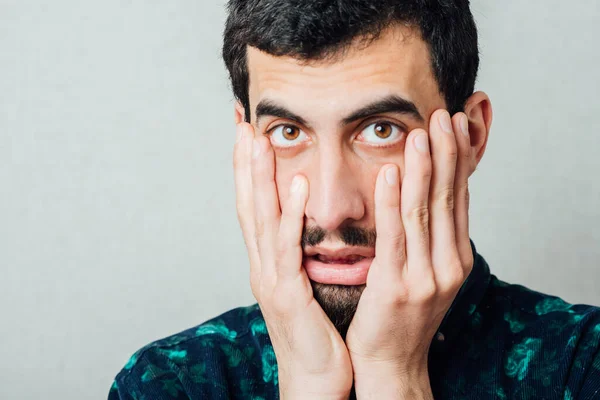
(373, 164)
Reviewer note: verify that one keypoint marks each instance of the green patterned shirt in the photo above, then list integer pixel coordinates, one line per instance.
(497, 341)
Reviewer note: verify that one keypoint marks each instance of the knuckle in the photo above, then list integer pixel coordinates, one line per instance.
(427, 291)
(265, 288)
(397, 241)
(282, 302)
(445, 199)
(452, 151)
(466, 156)
(426, 172)
(457, 276)
(268, 284)
(260, 230)
(463, 194)
(453, 279)
(419, 215)
(256, 242)
(399, 296)
(281, 249)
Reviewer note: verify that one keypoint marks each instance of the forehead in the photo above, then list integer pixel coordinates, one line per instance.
(398, 62)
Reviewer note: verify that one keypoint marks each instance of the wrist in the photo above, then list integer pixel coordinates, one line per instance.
(301, 388)
(284, 395)
(387, 390)
(379, 383)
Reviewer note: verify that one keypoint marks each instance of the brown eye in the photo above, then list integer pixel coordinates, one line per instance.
(290, 132)
(383, 130)
(287, 136)
(381, 133)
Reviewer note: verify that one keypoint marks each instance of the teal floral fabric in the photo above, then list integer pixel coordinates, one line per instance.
(497, 341)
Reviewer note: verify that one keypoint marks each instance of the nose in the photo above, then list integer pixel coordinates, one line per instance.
(335, 198)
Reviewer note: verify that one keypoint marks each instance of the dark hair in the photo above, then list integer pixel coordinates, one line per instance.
(319, 29)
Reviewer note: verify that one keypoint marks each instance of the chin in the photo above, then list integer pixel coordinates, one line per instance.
(339, 302)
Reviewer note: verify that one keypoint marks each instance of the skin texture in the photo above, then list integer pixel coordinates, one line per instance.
(422, 251)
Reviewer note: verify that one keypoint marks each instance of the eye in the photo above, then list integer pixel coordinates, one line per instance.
(381, 133)
(287, 136)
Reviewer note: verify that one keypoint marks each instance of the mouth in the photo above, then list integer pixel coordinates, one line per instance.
(351, 259)
(348, 266)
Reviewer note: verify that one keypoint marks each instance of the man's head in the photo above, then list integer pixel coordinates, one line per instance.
(337, 86)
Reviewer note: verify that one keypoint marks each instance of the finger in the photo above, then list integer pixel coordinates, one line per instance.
(266, 203)
(444, 253)
(289, 263)
(461, 191)
(414, 207)
(242, 157)
(390, 244)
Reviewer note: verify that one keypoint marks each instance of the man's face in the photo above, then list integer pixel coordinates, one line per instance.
(337, 123)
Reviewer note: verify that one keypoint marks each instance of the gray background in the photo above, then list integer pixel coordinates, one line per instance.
(117, 216)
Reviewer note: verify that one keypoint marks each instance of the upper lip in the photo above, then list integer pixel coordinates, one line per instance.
(339, 252)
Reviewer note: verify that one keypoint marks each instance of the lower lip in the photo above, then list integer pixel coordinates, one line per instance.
(338, 274)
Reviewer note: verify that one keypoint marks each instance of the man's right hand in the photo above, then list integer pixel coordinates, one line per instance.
(312, 358)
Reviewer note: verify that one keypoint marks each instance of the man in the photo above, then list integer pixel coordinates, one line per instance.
(357, 130)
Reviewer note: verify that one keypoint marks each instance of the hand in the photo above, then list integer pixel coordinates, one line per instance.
(312, 358)
(422, 256)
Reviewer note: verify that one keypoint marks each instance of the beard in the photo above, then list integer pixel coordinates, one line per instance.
(339, 303)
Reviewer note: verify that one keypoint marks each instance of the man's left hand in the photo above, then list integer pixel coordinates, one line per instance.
(422, 257)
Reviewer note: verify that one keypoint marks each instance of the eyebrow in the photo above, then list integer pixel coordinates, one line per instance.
(388, 104)
(268, 107)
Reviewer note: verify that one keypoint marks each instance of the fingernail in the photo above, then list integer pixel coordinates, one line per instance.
(296, 184)
(445, 122)
(391, 176)
(464, 125)
(255, 149)
(421, 143)
(238, 133)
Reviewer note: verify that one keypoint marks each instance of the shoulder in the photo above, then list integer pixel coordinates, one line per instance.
(547, 340)
(559, 339)
(196, 355)
(520, 304)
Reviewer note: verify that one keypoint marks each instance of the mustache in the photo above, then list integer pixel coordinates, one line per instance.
(350, 236)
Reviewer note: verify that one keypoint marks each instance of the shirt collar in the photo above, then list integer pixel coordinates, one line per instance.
(465, 303)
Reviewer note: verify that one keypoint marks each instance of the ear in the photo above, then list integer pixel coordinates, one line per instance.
(239, 112)
(478, 109)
